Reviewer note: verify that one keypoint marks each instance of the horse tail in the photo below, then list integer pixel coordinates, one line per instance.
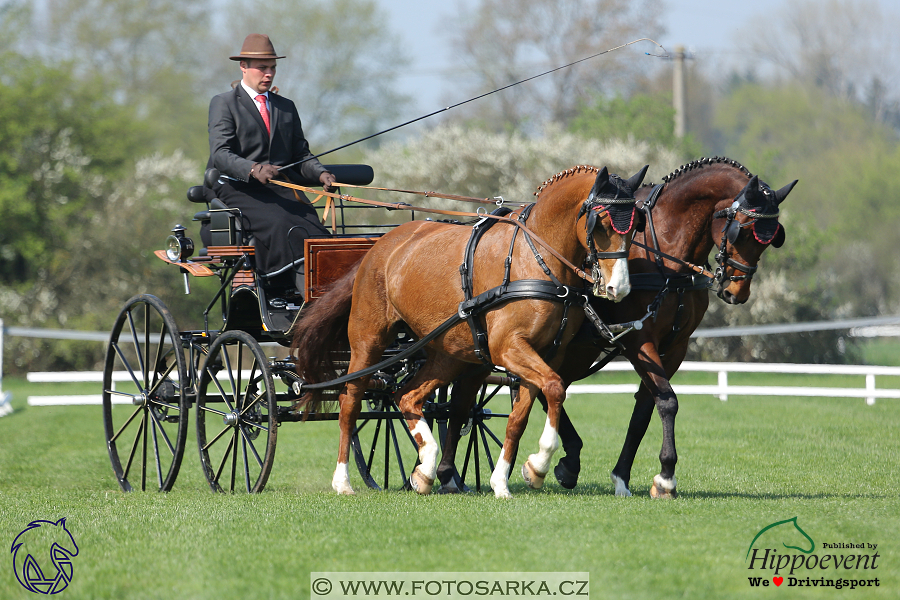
(320, 342)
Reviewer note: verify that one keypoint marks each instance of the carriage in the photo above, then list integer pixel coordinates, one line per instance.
(238, 393)
(240, 396)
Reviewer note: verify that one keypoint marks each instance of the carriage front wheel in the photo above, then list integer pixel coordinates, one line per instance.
(146, 416)
(236, 415)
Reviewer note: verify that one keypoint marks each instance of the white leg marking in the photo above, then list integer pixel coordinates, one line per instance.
(450, 487)
(428, 453)
(548, 444)
(500, 477)
(340, 482)
(664, 484)
(619, 282)
(621, 489)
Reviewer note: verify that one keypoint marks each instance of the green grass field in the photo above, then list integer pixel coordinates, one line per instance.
(744, 464)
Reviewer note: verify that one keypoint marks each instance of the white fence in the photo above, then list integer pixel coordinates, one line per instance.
(722, 389)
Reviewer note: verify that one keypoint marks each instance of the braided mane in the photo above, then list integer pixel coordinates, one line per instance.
(701, 162)
(563, 174)
(694, 164)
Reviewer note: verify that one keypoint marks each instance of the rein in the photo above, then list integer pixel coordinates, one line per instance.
(514, 220)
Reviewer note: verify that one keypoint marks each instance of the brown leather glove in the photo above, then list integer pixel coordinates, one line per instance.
(327, 180)
(263, 173)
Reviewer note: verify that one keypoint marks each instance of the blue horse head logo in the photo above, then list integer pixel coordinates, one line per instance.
(38, 540)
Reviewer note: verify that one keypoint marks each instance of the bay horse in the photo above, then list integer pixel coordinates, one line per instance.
(408, 281)
(708, 202)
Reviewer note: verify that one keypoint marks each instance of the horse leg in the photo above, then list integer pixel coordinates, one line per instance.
(350, 404)
(655, 380)
(462, 399)
(637, 428)
(538, 377)
(569, 466)
(535, 468)
(515, 426)
(437, 371)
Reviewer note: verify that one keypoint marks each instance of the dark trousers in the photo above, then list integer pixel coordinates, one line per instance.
(278, 221)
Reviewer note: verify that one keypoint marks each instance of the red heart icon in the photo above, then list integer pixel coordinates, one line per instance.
(778, 580)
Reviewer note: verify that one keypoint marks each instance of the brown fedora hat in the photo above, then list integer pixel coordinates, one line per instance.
(256, 45)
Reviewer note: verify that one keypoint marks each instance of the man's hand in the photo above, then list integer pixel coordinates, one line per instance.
(327, 180)
(263, 173)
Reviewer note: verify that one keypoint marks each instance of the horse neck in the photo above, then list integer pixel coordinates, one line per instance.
(683, 214)
(555, 216)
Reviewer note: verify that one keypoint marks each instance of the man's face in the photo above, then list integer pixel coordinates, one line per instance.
(259, 73)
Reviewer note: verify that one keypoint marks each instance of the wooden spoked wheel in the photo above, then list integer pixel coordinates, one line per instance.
(384, 450)
(146, 415)
(236, 415)
(481, 441)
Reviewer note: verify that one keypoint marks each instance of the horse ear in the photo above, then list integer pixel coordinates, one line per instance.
(751, 190)
(781, 194)
(602, 179)
(636, 180)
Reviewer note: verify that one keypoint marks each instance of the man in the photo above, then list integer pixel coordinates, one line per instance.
(252, 131)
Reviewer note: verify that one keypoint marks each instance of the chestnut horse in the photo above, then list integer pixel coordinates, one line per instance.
(409, 280)
(708, 202)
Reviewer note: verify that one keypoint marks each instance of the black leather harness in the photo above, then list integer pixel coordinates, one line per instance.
(472, 307)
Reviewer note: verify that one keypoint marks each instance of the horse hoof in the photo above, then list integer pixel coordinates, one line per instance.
(621, 487)
(663, 489)
(344, 490)
(421, 484)
(448, 488)
(502, 493)
(532, 478)
(565, 477)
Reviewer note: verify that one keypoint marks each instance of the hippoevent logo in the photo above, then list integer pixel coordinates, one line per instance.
(42, 556)
(782, 553)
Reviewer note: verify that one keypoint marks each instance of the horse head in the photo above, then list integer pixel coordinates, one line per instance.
(611, 205)
(748, 227)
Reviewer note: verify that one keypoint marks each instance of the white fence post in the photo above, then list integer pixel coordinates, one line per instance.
(723, 386)
(5, 397)
(870, 385)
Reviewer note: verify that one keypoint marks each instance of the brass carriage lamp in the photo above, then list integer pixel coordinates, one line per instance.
(178, 246)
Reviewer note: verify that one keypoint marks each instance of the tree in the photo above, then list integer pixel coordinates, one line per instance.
(148, 55)
(847, 164)
(847, 48)
(642, 117)
(503, 41)
(473, 162)
(58, 153)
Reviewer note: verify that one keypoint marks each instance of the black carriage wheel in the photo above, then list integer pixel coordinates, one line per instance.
(384, 449)
(236, 415)
(146, 418)
(479, 445)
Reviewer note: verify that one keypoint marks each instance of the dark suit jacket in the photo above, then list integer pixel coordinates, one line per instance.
(238, 137)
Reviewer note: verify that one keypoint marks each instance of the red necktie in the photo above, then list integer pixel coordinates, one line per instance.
(264, 111)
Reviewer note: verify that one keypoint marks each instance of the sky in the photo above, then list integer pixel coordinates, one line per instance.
(707, 29)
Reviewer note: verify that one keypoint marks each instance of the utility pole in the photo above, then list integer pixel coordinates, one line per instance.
(678, 93)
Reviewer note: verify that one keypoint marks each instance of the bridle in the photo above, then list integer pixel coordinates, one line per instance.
(592, 207)
(730, 233)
